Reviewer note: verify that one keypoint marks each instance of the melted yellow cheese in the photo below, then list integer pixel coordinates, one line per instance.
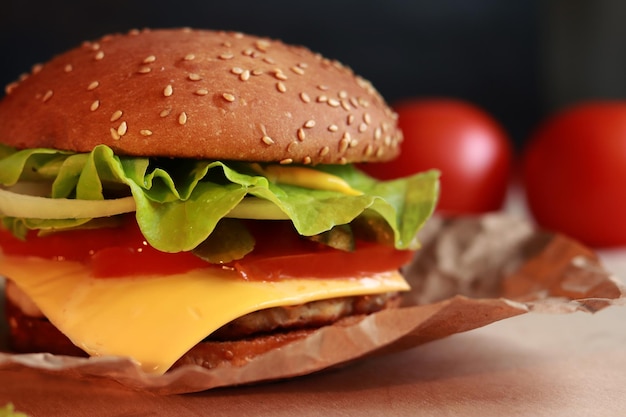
(155, 320)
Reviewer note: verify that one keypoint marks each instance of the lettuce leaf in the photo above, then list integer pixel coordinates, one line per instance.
(180, 201)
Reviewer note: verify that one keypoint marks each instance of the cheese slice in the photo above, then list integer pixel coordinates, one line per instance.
(156, 320)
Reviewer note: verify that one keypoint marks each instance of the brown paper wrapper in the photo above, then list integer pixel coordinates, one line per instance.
(469, 273)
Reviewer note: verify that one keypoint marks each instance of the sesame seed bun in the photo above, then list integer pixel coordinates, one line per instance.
(200, 94)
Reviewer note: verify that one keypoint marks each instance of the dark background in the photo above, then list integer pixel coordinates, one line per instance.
(518, 59)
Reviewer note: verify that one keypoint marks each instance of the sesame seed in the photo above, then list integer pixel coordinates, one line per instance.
(303, 65)
(342, 160)
(291, 146)
(37, 68)
(269, 60)
(369, 150)
(307, 160)
(267, 140)
(350, 119)
(228, 97)
(343, 144)
(168, 90)
(380, 152)
(322, 99)
(322, 87)
(257, 71)
(362, 127)
(149, 59)
(99, 55)
(333, 128)
(301, 134)
(245, 76)
(305, 97)
(10, 87)
(189, 57)
(116, 115)
(333, 102)
(122, 129)
(145, 132)
(367, 118)
(297, 70)
(286, 161)
(354, 102)
(226, 56)
(237, 70)
(279, 75)
(378, 133)
(201, 92)
(262, 45)
(194, 77)
(309, 123)
(227, 44)
(68, 68)
(182, 118)
(144, 70)
(95, 46)
(281, 87)
(324, 151)
(247, 52)
(166, 112)
(94, 106)
(114, 134)
(47, 96)
(354, 143)
(93, 85)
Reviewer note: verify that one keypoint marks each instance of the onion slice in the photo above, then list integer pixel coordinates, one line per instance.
(35, 207)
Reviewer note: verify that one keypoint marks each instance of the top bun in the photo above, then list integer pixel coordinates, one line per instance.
(200, 94)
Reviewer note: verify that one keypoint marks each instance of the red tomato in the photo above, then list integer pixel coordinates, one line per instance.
(325, 263)
(279, 253)
(111, 252)
(574, 173)
(468, 147)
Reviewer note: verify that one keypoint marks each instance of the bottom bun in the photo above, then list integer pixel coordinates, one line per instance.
(235, 343)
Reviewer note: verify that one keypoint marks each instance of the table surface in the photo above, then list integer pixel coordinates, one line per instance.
(534, 364)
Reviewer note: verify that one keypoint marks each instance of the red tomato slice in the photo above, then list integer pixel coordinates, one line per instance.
(124, 261)
(327, 263)
(279, 253)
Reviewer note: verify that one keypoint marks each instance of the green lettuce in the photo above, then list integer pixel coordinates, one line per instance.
(180, 201)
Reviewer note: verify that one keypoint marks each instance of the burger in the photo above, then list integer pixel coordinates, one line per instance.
(183, 196)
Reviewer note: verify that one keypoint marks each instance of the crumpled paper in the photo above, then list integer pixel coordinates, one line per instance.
(470, 272)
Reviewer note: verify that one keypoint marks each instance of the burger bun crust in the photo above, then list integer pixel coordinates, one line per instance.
(200, 94)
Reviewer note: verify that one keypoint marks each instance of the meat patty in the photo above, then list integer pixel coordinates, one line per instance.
(30, 331)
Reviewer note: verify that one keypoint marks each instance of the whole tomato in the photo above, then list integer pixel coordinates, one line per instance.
(574, 173)
(469, 148)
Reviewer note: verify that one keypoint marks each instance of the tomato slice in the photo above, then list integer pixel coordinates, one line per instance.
(124, 261)
(368, 258)
(279, 253)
